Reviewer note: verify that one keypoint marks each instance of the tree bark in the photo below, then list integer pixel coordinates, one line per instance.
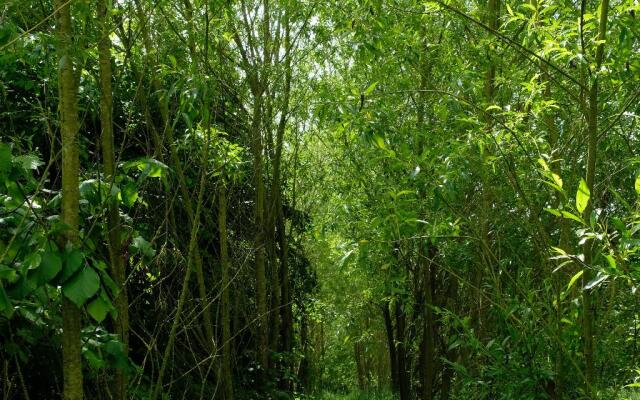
(404, 381)
(592, 133)
(69, 125)
(259, 239)
(121, 322)
(391, 344)
(227, 379)
(428, 346)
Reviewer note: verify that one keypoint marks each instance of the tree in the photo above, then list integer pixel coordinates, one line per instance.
(71, 314)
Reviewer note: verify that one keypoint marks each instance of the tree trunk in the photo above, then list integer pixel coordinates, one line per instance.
(391, 344)
(592, 132)
(69, 125)
(121, 322)
(227, 379)
(259, 238)
(404, 383)
(428, 346)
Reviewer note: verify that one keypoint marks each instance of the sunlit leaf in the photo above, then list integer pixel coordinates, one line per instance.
(582, 196)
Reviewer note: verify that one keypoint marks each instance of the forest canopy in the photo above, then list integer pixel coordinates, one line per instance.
(305, 199)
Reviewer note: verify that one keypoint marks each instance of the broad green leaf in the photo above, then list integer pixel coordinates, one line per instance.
(82, 286)
(32, 261)
(582, 196)
(98, 309)
(72, 262)
(148, 166)
(129, 194)
(637, 184)
(49, 267)
(8, 274)
(118, 357)
(28, 161)
(94, 360)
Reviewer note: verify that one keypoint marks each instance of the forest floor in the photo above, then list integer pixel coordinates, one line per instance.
(627, 394)
(353, 396)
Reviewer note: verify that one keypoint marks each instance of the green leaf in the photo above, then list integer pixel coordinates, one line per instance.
(596, 281)
(509, 10)
(94, 360)
(82, 286)
(129, 194)
(142, 247)
(611, 261)
(553, 211)
(98, 309)
(574, 217)
(574, 279)
(8, 274)
(637, 184)
(32, 261)
(371, 88)
(50, 266)
(74, 259)
(118, 357)
(148, 166)
(557, 179)
(28, 161)
(379, 140)
(582, 196)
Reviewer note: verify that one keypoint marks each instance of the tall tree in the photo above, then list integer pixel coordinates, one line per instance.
(592, 111)
(69, 126)
(227, 380)
(116, 257)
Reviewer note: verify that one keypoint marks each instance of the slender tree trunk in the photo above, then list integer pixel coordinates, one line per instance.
(259, 240)
(428, 346)
(391, 344)
(227, 379)
(121, 322)
(404, 381)
(592, 133)
(491, 19)
(69, 125)
(277, 225)
(563, 241)
(303, 369)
